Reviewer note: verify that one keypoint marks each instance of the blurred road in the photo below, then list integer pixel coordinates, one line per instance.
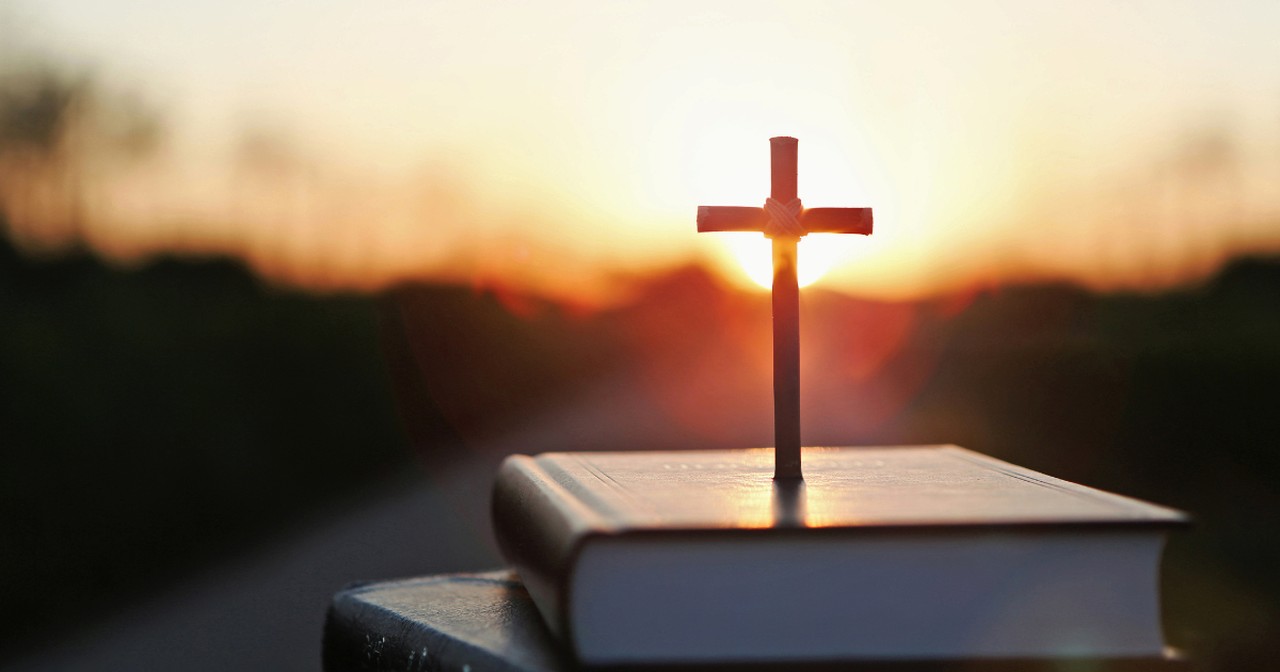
(265, 611)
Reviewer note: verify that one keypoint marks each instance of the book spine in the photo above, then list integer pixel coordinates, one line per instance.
(540, 527)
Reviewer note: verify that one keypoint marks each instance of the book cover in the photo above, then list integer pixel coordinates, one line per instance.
(932, 552)
(482, 622)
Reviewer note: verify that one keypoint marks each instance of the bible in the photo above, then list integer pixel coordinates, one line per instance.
(895, 554)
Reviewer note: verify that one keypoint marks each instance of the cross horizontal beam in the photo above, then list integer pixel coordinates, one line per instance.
(814, 220)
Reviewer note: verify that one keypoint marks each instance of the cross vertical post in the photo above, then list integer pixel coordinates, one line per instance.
(783, 160)
(784, 221)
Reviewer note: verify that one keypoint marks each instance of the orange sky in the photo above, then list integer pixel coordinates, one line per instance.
(557, 145)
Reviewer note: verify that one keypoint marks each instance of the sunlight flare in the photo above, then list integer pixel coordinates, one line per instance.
(818, 255)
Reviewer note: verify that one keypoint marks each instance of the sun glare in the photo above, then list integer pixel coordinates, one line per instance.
(817, 255)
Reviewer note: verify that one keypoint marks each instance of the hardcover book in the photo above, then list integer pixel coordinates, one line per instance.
(486, 622)
(927, 553)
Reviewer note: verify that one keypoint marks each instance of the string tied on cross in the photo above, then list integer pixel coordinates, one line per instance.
(784, 218)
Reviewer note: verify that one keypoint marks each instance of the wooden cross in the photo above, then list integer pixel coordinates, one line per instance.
(784, 220)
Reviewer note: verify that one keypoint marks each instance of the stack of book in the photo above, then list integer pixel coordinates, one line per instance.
(919, 557)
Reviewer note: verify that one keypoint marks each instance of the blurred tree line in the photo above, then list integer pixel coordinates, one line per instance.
(56, 127)
(152, 421)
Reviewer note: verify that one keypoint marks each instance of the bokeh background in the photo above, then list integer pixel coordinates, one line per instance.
(281, 283)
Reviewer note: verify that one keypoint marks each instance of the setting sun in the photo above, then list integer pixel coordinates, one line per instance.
(817, 255)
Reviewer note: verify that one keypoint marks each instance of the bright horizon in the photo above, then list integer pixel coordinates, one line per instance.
(560, 146)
